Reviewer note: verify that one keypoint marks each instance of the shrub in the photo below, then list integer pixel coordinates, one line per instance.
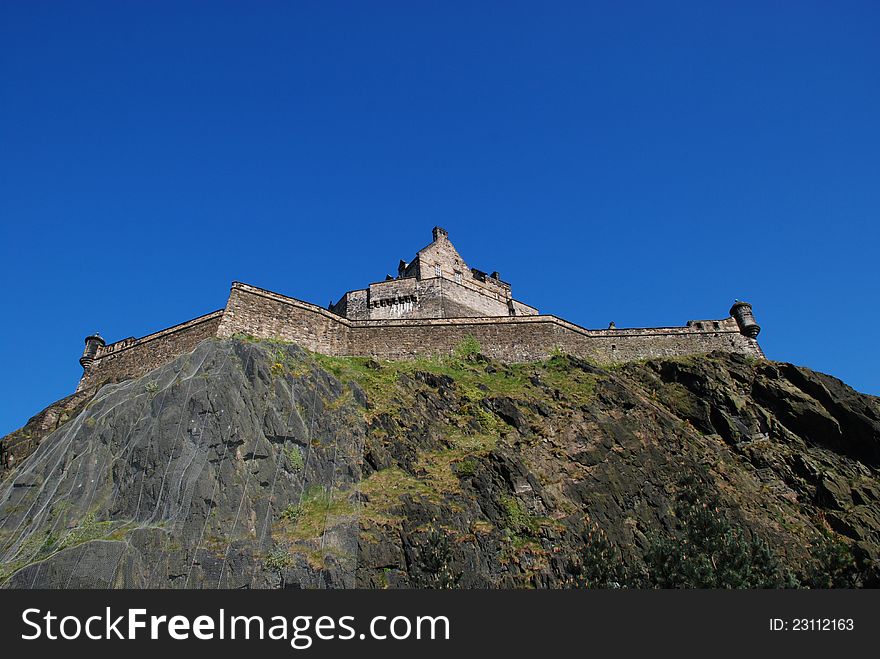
(467, 467)
(602, 565)
(294, 458)
(278, 559)
(435, 564)
(834, 567)
(708, 552)
(292, 512)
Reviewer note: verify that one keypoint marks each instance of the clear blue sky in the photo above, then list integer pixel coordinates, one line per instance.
(645, 163)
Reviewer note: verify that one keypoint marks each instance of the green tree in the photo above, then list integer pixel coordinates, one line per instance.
(708, 551)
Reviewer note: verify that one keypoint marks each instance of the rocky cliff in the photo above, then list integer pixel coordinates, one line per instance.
(256, 464)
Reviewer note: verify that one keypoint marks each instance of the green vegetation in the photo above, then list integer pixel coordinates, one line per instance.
(389, 384)
(436, 560)
(278, 559)
(468, 347)
(39, 547)
(708, 551)
(309, 519)
(516, 517)
(384, 489)
(291, 513)
(678, 399)
(834, 566)
(602, 565)
(88, 529)
(470, 429)
(250, 338)
(294, 458)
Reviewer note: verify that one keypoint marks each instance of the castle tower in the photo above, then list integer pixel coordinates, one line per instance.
(93, 342)
(742, 313)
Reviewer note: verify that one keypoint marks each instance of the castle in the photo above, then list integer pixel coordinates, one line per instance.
(435, 302)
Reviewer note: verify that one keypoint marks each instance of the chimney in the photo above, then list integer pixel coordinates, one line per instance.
(439, 233)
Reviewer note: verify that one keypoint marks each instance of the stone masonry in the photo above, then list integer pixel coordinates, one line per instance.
(435, 302)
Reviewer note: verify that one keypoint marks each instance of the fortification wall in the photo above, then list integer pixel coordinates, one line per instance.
(501, 338)
(623, 345)
(523, 309)
(131, 358)
(511, 338)
(459, 301)
(261, 313)
(257, 312)
(391, 299)
(434, 297)
(531, 338)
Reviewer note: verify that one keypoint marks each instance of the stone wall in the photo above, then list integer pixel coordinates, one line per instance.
(131, 357)
(415, 298)
(434, 297)
(531, 338)
(263, 314)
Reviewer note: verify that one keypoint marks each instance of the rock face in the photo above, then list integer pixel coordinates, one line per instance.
(256, 464)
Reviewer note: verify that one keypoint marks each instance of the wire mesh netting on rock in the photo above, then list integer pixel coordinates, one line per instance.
(234, 466)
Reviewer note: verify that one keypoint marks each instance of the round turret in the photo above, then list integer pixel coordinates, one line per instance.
(742, 314)
(93, 342)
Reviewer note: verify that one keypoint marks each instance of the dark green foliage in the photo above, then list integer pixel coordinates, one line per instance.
(835, 566)
(708, 551)
(602, 565)
(435, 562)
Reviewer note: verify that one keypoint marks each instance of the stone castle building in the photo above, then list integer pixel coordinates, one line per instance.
(437, 283)
(435, 302)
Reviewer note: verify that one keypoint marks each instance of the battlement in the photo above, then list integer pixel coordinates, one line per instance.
(423, 311)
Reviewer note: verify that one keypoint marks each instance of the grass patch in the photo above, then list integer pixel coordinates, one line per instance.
(40, 546)
(516, 517)
(309, 519)
(291, 513)
(384, 489)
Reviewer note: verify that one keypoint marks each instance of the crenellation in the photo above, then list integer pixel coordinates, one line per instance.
(415, 315)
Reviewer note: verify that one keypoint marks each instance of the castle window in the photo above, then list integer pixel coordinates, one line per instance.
(437, 271)
(457, 277)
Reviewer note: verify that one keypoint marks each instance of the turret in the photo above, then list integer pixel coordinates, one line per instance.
(93, 342)
(742, 314)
